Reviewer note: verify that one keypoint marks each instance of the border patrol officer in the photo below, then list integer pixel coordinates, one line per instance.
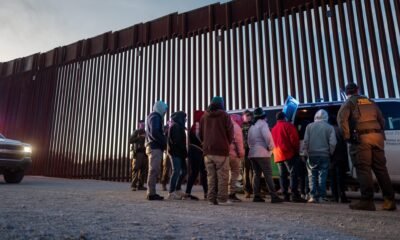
(362, 124)
(139, 158)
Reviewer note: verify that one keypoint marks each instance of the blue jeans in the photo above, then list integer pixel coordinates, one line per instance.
(317, 173)
(289, 169)
(178, 173)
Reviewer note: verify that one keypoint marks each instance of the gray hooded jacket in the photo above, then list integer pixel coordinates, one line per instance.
(320, 137)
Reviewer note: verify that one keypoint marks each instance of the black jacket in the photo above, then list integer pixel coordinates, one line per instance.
(177, 136)
(155, 137)
(137, 140)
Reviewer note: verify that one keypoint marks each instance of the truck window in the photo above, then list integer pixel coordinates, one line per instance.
(305, 115)
(390, 111)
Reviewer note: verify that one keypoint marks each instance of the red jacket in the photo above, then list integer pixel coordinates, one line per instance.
(286, 139)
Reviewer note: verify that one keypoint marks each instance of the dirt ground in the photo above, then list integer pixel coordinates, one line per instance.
(55, 208)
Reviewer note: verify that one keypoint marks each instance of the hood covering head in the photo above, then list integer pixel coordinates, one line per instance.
(237, 118)
(321, 115)
(160, 107)
(217, 103)
(197, 115)
(179, 118)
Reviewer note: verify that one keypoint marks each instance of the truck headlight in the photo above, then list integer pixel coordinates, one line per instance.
(27, 149)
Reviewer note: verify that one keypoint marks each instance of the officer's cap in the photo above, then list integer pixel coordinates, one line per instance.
(351, 88)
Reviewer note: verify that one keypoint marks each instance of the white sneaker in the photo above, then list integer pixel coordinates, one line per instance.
(312, 200)
(227, 203)
(174, 196)
(180, 193)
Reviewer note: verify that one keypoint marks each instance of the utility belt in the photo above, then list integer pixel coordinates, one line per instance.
(367, 131)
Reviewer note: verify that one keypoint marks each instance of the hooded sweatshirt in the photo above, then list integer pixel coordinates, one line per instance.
(216, 131)
(177, 135)
(286, 141)
(320, 137)
(260, 140)
(237, 147)
(155, 137)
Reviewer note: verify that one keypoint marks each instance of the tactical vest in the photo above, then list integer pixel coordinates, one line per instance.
(364, 115)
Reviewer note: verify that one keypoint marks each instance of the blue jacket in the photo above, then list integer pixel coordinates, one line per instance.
(155, 137)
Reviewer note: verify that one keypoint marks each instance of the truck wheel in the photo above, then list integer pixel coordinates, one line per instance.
(13, 176)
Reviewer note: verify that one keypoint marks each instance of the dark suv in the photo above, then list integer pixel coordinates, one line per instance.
(15, 158)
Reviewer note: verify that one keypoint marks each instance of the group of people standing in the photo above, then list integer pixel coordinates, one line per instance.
(221, 147)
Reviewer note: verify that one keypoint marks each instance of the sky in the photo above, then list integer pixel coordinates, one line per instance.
(31, 26)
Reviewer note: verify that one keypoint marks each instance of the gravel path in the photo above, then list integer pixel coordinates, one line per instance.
(54, 208)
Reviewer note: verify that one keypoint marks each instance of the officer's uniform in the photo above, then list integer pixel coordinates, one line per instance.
(363, 126)
(139, 159)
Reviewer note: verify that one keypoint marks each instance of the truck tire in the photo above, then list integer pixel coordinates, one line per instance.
(13, 176)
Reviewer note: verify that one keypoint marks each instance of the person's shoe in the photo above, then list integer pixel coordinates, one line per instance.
(367, 205)
(164, 187)
(258, 199)
(133, 189)
(154, 197)
(190, 197)
(389, 205)
(226, 203)
(313, 200)
(174, 196)
(247, 195)
(212, 202)
(298, 199)
(233, 198)
(323, 200)
(276, 199)
(180, 193)
(141, 188)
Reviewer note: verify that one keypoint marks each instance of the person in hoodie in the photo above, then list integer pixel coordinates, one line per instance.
(156, 143)
(261, 145)
(236, 155)
(216, 133)
(286, 155)
(196, 159)
(176, 148)
(319, 145)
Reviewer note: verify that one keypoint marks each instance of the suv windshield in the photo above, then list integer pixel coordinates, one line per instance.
(1, 136)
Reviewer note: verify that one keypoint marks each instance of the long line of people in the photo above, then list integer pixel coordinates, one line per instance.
(221, 147)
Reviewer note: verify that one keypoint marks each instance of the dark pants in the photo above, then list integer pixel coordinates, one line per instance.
(303, 176)
(196, 165)
(338, 180)
(289, 169)
(139, 170)
(179, 171)
(262, 165)
(370, 155)
(247, 173)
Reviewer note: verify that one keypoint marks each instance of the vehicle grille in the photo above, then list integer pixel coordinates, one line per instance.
(11, 147)
(11, 155)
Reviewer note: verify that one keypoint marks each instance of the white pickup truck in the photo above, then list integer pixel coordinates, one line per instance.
(15, 159)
